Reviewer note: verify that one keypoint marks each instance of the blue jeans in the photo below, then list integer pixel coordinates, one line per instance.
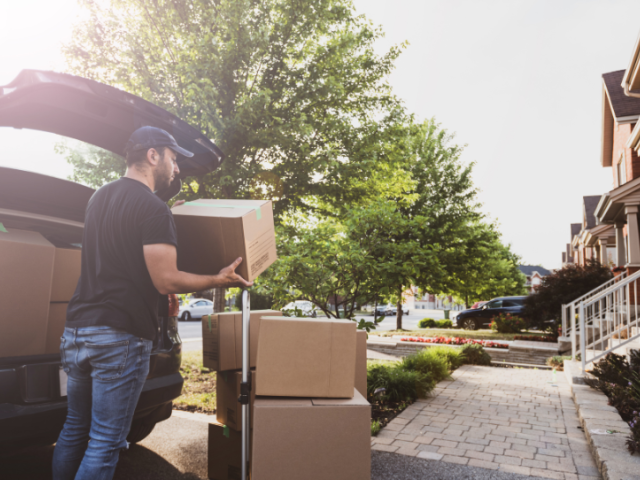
(107, 369)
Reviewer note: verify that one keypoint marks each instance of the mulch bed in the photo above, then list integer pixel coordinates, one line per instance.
(387, 412)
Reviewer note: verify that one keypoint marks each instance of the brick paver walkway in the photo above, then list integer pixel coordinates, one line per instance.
(512, 420)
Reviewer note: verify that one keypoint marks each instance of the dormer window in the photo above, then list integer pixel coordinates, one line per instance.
(622, 170)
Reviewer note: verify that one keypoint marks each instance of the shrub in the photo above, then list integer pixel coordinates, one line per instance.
(444, 324)
(427, 323)
(619, 380)
(507, 323)
(454, 356)
(474, 354)
(536, 338)
(427, 362)
(557, 362)
(400, 385)
(455, 341)
(562, 287)
(375, 427)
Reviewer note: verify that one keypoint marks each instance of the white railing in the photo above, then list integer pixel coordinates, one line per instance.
(570, 311)
(608, 320)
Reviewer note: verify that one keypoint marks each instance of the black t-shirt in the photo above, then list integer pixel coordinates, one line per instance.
(115, 288)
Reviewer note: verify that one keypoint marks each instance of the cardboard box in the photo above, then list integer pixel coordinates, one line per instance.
(361, 362)
(224, 453)
(311, 439)
(66, 272)
(213, 233)
(222, 339)
(55, 326)
(228, 410)
(26, 271)
(304, 357)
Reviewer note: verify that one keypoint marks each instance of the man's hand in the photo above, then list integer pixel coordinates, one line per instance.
(162, 259)
(178, 203)
(231, 278)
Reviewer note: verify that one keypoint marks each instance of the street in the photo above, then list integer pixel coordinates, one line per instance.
(189, 331)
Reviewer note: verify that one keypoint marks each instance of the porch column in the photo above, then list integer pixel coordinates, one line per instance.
(603, 251)
(621, 253)
(632, 236)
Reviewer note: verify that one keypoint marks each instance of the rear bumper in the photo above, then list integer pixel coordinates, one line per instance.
(21, 425)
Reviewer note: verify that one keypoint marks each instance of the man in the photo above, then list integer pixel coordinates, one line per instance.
(129, 258)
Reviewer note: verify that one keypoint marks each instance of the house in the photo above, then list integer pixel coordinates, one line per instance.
(568, 255)
(617, 211)
(534, 274)
(593, 241)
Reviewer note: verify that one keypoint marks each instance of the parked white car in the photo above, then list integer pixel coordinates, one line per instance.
(307, 308)
(195, 308)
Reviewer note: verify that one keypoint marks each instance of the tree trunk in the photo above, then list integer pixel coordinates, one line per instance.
(399, 314)
(375, 311)
(466, 302)
(218, 300)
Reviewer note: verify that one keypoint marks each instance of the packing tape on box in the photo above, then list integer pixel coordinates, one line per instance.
(217, 205)
(3, 229)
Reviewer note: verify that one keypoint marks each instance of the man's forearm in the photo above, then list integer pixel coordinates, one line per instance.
(184, 282)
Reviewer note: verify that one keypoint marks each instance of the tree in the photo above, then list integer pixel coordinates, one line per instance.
(92, 166)
(486, 268)
(291, 91)
(543, 308)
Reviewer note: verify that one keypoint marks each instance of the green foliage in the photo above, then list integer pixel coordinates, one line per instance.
(431, 363)
(507, 323)
(475, 354)
(454, 356)
(92, 166)
(562, 287)
(557, 361)
(375, 427)
(400, 385)
(427, 323)
(619, 380)
(259, 300)
(444, 324)
(289, 90)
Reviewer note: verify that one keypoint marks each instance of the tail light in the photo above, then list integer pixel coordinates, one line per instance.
(174, 306)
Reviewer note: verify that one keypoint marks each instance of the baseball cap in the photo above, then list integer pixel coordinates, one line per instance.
(151, 137)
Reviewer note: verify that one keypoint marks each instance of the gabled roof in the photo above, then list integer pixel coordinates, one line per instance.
(575, 229)
(529, 269)
(616, 108)
(589, 205)
(621, 105)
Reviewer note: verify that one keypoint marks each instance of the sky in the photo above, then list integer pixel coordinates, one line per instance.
(518, 81)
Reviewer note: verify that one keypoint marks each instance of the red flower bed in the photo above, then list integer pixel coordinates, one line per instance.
(455, 341)
(535, 338)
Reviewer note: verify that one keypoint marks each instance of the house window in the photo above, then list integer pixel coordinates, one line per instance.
(622, 170)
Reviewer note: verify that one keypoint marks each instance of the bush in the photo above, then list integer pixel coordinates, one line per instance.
(620, 381)
(507, 323)
(562, 287)
(428, 361)
(557, 362)
(400, 385)
(427, 323)
(474, 354)
(444, 324)
(375, 427)
(454, 356)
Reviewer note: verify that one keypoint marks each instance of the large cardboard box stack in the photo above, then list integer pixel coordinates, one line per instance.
(66, 273)
(308, 417)
(26, 270)
(213, 233)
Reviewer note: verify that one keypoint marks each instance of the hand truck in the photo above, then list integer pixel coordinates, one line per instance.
(245, 387)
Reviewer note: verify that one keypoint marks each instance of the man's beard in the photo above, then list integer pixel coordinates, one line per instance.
(162, 178)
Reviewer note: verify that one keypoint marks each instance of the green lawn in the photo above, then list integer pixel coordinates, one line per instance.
(484, 334)
(199, 391)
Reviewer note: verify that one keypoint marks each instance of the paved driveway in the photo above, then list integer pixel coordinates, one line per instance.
(509, 420)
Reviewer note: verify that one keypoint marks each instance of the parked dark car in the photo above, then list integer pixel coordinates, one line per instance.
(476, 318)
(33, 404)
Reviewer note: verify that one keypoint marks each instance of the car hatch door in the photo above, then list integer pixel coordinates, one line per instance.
(98, 114)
